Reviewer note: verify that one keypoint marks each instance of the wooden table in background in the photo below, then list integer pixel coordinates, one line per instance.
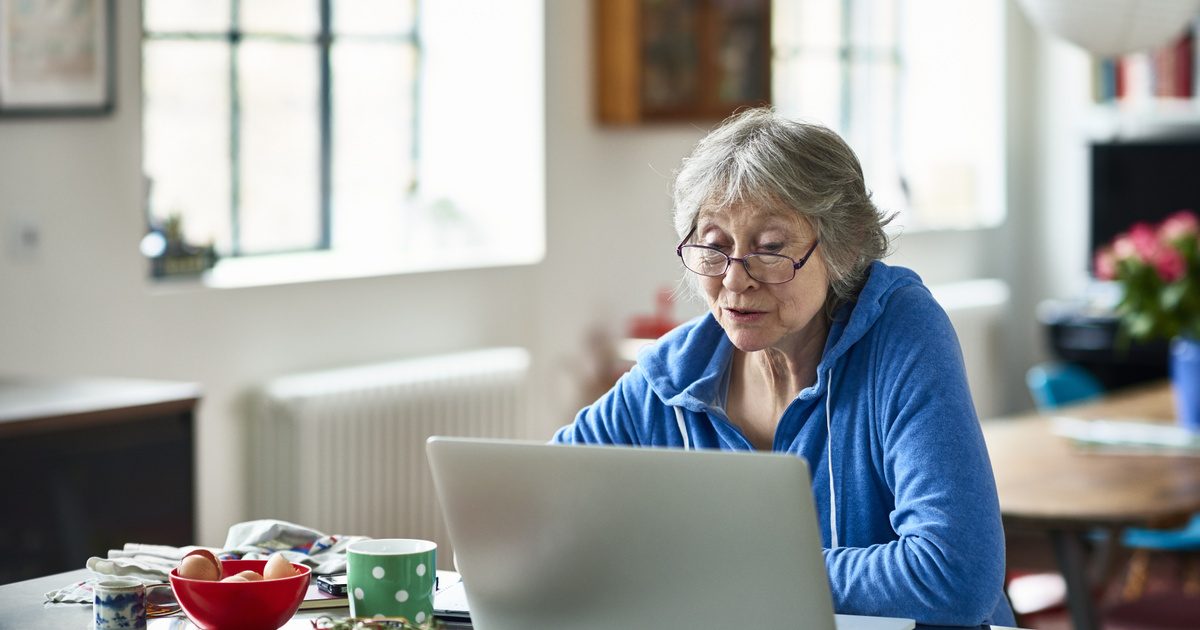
(1048, 484)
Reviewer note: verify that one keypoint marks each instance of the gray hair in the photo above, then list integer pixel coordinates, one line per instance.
(759, 157)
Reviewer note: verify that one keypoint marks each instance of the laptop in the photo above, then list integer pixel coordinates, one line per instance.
(601, 537)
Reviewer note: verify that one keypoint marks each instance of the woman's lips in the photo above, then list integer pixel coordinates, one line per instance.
(743, 316)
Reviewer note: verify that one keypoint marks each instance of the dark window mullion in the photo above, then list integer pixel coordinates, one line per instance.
(899, 63)
(235, 122)
(325, 111)
(847, 58)
(234, 38)
(414, 147)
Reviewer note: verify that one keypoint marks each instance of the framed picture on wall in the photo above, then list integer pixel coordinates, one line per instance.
(56, 57)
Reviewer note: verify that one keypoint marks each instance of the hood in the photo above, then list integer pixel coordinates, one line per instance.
(687, 367)
(883, 281)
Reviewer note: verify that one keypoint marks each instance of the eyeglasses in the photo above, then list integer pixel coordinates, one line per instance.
(765, 268)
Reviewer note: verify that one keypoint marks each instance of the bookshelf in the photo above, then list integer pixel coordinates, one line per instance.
(1149, 94)
(1157, 118)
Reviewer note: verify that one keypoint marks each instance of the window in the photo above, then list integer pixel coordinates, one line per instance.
(292, 133)
(915, 87)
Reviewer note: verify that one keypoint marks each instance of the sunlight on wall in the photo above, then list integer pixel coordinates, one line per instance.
(916, 88)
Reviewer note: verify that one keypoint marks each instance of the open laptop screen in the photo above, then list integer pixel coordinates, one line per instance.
(591, 538)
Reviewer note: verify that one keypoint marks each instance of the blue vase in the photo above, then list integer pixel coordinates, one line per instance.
(1185, 377)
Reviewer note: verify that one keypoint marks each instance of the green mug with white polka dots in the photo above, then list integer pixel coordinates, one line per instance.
(391, 577)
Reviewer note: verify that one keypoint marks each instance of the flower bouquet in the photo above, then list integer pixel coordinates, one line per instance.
(1158, 270)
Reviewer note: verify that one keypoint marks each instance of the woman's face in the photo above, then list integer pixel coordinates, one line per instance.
(756, 315)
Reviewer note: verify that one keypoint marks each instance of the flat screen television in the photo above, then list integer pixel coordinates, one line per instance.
(1143, 181)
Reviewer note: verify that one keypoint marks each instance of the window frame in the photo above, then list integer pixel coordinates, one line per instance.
(864, 63)
(324, 41)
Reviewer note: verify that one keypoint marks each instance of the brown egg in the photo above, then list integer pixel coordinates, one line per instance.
(198, 568)
(235, 578)
(278, 567)
(204, 553)
(250, 576)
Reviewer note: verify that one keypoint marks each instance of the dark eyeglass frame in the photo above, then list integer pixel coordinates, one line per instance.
(796, 263)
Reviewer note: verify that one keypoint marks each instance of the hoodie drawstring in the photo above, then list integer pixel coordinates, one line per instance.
(829, 458)
(687, 442)
(687, 445)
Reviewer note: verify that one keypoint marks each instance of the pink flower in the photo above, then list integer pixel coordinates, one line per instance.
(1145, 241)
(1123, 247)
(1106, 264)
(1169, 264)
(1178, 226)
(1156, 266)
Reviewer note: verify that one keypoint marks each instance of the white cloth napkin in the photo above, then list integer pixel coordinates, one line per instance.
(252, 540)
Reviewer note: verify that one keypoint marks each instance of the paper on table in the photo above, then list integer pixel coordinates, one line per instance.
(450, 601)
(1129, 436)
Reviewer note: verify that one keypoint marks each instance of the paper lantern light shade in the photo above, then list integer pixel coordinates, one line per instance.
(1107, 28)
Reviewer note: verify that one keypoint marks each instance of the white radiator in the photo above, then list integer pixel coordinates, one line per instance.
(977, 310)
(343, 451)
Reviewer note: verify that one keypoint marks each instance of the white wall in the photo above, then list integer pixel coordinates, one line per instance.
(80, 305)
(1061, 202)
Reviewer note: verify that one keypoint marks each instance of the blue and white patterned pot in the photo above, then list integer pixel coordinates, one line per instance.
(119, 602)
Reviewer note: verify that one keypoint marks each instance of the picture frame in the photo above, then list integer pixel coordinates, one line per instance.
(56, 57)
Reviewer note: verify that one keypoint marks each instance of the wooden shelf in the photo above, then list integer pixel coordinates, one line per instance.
(680, 60)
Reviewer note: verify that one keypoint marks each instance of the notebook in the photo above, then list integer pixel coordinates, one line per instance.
(594, 538)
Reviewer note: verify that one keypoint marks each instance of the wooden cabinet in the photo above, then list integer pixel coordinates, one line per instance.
(89, 465)
(680, 60)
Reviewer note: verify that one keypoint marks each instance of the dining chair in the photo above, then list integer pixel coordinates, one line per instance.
(1053, 385)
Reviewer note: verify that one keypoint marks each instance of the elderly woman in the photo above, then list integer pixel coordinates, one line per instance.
(814, 347)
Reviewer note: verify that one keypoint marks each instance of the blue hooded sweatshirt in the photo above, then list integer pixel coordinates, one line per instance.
(912, 525)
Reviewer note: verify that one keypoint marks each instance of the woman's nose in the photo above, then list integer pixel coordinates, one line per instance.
(736, 278)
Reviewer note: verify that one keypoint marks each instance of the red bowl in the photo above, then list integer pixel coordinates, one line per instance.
(262, 605)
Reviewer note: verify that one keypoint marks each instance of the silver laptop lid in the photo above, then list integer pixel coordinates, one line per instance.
(592, 538)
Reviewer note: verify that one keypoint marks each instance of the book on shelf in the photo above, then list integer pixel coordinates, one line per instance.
(1107, 80)
(1195, 65)
(1169, 72)
(1173, 69)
